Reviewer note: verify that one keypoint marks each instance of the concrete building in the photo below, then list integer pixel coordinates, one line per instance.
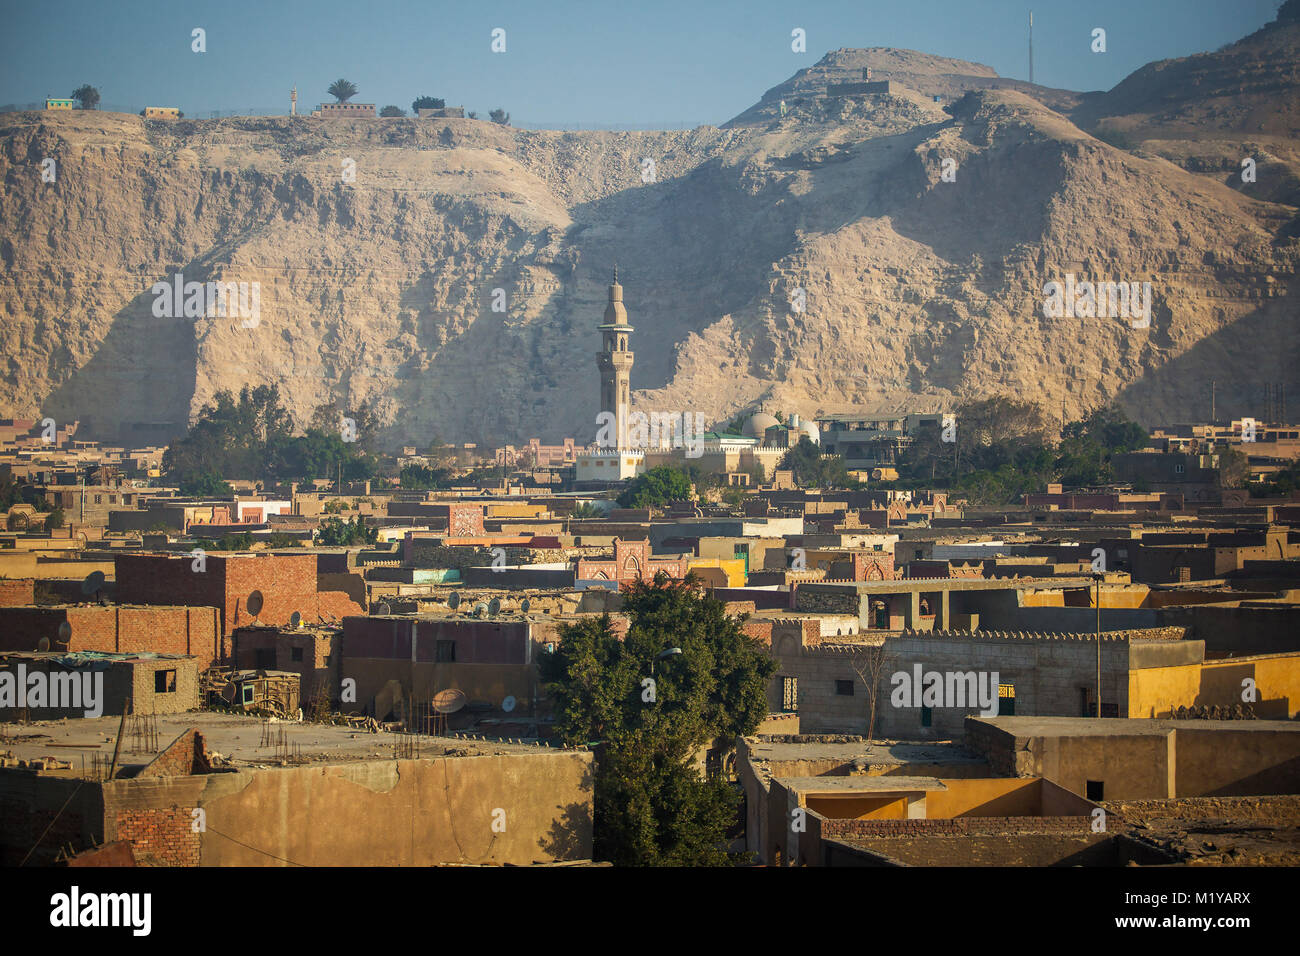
(1144, 759)
(132, 683)
(331, 797)
(285, 584)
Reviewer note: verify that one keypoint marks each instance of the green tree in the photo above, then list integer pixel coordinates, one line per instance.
(336, 532)
(812, 469)
(342, 90)
(585, 509)
(205, 484)
(424, 478)
(651, 806)
(392, 111)
(54, 519)
(87, 97)
(427, 103)
(656, 487)
(500, 116)
(1234, 467)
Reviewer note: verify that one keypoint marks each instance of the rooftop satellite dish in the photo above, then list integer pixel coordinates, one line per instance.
(295, 619)
(453, 600)
(43, 644)
(93, 583)
(383, 610)
(65, 632)
(254, 603)
(494, 607)
(480, 609)
(448, 701)
(508, 704)
(524, 605)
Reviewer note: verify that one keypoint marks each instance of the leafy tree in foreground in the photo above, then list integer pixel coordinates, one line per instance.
(651, 806)
(499, 116)
(427, 103)
(392, 111)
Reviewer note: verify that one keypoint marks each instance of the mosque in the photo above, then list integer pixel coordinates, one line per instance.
(626, 447)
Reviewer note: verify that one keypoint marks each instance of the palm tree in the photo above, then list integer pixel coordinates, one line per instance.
(87, 96)
(342, 90)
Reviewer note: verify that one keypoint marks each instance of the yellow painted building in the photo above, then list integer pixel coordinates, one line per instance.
(1272, 679)
(59, 104)
(733, 568)
(161, 112)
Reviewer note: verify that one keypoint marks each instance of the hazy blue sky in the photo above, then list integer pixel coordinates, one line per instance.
(566, 61)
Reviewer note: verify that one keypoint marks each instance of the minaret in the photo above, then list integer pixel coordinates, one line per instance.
(615, 362)
(293, 102)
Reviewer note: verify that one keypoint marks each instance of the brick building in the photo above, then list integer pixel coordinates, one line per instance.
(631, 561)
(116, 629)
(287, 583)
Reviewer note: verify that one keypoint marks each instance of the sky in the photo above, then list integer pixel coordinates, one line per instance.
(661, 64)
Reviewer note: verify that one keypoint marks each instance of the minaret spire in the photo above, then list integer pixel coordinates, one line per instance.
(615, 362)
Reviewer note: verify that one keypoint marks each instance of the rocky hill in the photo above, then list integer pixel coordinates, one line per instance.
(918, 291)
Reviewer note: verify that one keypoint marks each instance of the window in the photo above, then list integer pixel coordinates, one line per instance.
(164, 682)
(789, 694)
(1095, 789)
(1006, 700)
(1178, 469)
(248, 694)
(844, 688)
(295, 653)
(446, 653)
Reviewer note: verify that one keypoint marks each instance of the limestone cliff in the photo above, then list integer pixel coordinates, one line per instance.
(917, 291)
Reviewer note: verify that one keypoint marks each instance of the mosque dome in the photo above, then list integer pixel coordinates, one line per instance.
(810, 431)
(757, 425)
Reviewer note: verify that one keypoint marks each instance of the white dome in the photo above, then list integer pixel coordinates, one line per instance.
(811, 431)
(757, 425)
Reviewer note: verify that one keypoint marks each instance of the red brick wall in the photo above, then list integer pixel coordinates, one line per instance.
(287, 583)
(338, 605)
(165, 630)
(17, 592)
(166, 836)
(185, 755)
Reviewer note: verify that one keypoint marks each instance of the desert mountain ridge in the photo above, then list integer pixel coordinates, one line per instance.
(918, 292)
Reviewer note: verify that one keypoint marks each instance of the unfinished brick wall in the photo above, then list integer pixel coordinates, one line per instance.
(195, 631)
(17, 591)
(185, 755)
(287, 583)
(160, 836)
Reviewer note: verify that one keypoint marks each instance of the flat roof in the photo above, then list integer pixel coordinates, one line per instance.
(237, 737)
(1127, 726)
(953, 584)
(878, 753)
(860, 783)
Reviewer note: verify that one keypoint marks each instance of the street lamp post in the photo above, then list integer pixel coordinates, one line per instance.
(1097, 578)
(671, 652)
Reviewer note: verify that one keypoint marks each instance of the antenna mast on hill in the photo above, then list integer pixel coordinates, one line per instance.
(1031, 46)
